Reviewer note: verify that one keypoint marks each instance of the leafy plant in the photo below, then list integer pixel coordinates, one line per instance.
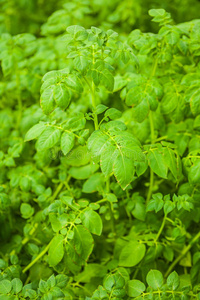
(99, 195)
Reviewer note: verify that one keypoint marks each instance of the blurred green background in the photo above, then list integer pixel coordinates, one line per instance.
(19, 16)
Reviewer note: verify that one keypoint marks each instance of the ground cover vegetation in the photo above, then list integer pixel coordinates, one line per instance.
(99, 151)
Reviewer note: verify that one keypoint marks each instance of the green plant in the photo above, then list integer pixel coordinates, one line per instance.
(105, 203)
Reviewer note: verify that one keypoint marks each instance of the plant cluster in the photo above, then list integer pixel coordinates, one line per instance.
(100, 183)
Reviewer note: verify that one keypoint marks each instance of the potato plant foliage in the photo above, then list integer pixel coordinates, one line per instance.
(99, 155)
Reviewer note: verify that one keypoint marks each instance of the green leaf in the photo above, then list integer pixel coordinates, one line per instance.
(173, 281)
(194, 173)
(155, 279)
(26, 210)
(47, 100)
(113, 113)
(93, 184)
(74, 29)
(73, 82)
(135, 288)
(123, 169)
(76, 123)
(100, 109)
(35, 131)
(171, 162)
(62, 96)
(141, 111)
(157, 163)
(143, 95)
(81, 63)
(56, 250)
(132, 254)
(5, 286)
(92, 221)
(83, 242)
(83, 172)
(48, 138)
(67, 142)
(17, 285)
(117, 152)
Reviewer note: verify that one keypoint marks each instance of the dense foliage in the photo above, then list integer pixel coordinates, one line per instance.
(100, 181)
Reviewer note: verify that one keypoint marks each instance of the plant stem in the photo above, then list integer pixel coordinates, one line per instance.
(57, 191)
(151, 127)
(94, 105)
(161, 228)
(110, 206)
(150, 186)
(37, 258)
(92, 90)
(151, 172)
(20, 107)
(183, 253)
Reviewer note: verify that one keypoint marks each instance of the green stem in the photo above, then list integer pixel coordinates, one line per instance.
(110, 206)
(151, 127)
(183, 253)
(57, 191)
(42, 253)
(153, 71)
(94, 105)
(151, 172)
(167, 292)
(161, 228)
(92, 90)
(150, 186)
(20, 106)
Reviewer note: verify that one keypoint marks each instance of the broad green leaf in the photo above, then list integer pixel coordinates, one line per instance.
(93, 184)
(67, 142)
(194, 173)
(81, 63)
(117, 152)
(156, 12)
(194, 102)
(55, 223)
(157, 163)
(92, 221)
(145, 93)
(83, 172)
(83, 242)
(74, 83)
(171, 161)
(101, 75)
(141, 111)
(113, 113)
(62, 96)
(107, 80)
(56, 250)
(173, 281)
(35, 131)
(74, 29)
(123, 169)
(132, 254)
(135, 288)
(47, 100)
(155, 279)
(17, 285)
(169, 103)
(100, 109)
(5, 286)
(119, 83)
(76, 123)
(48, 138)
(90, 271)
